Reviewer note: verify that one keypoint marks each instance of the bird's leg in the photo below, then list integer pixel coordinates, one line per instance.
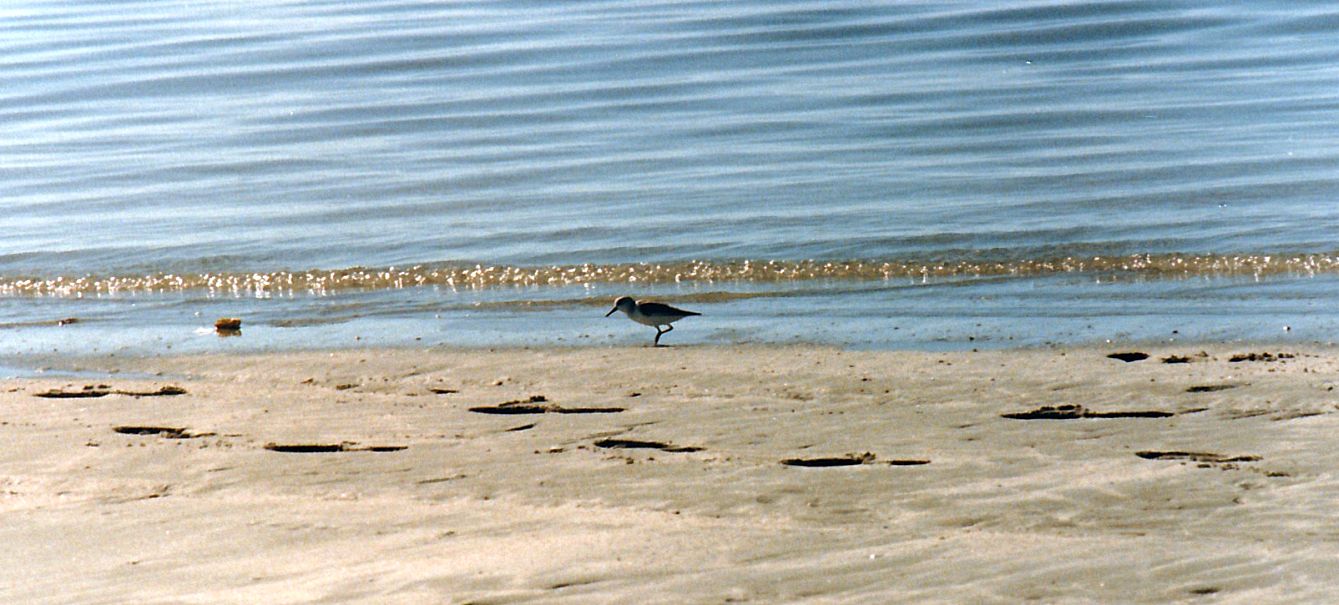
(659, 332)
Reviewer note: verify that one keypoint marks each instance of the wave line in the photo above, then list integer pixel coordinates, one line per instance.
(476, 277)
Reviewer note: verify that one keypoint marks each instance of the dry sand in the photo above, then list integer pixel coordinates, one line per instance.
(511, 508)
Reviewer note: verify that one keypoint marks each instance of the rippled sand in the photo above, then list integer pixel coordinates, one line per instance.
(703, 475)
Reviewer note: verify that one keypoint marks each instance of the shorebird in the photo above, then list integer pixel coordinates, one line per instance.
(653, 314)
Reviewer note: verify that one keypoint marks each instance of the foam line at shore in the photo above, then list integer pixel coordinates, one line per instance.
(446, 275)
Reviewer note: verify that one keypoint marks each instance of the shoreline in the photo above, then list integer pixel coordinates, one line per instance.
(92, 364)
(984, 314)
(760, 473)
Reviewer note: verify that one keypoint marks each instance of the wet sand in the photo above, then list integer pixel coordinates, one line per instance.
(676, 475)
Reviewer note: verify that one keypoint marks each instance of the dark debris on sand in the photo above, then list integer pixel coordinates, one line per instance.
(326, 448)
(1202, 355)
(89, 391)
(538, 404)
(638, 444)
(849, 460)
(102, 390)
(1240, 357)
(166, 432)
(1073, 411)
(1204, 457)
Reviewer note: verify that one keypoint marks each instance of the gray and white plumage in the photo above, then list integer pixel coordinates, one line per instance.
(652, 314)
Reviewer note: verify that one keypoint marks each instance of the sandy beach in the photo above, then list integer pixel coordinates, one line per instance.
(676, 475)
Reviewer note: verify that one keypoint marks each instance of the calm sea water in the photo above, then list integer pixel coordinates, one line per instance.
(979, 173)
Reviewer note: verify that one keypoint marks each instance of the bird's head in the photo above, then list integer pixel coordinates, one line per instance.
(624, 304)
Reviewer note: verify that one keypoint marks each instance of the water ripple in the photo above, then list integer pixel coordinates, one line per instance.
(144, 138)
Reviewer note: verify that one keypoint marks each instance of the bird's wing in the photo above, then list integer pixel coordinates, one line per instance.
(652, 308)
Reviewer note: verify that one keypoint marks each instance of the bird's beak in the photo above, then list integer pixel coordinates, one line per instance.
(611, 312)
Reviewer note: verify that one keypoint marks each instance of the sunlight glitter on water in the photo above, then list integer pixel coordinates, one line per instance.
(285, 283)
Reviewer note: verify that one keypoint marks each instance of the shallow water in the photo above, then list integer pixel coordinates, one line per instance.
(513, 162)
(987, 313)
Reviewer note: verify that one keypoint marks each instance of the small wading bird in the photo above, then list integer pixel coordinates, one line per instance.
(650, 313)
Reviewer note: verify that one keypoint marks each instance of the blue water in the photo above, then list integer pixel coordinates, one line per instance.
(146, 137)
